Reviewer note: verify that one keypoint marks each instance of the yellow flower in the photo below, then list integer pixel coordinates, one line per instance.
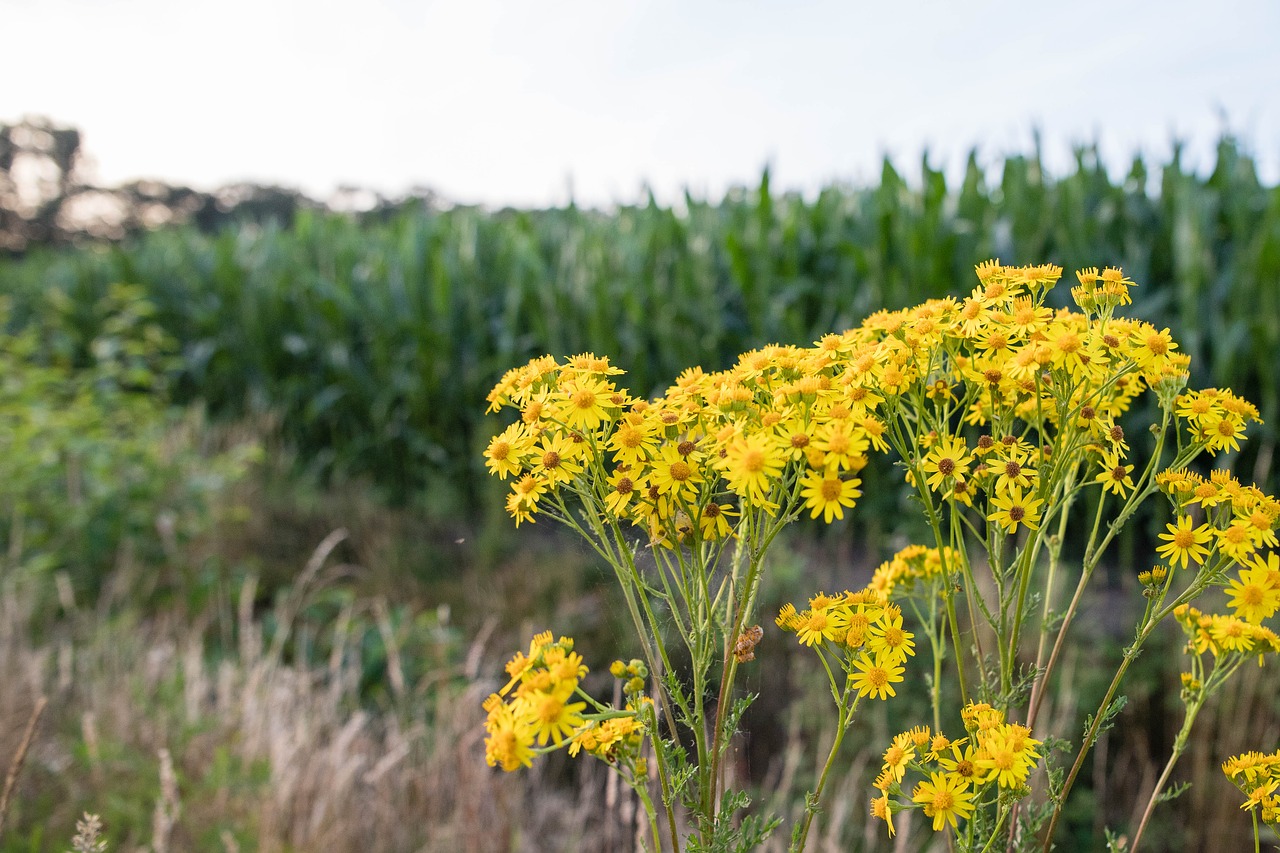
(583, 402)
(556, 460)
(948, 461)
(1236, 540)
(945, 798)
(510, 739)
(675, 473)
(963, 762)
(889, 641)
(1005, 761)
(880, 809)
(875, 678)
(507, 451)
(1254, 595)
(1115, 476)
(753, 464)
(634, 440)
(897, 757)
(842, 445)
(1013, 509)
(826, 494)
(822, 622)
(1183, 543)
(714, 521)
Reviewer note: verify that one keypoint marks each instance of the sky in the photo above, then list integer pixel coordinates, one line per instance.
(529, 104)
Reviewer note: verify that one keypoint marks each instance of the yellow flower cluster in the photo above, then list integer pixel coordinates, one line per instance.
(1257, 775)
(534, 710)
(777, 428)
(863, 631)
(1220, 635)
(1239, 519)
(911, 565)
(955, 772)
(792, 425)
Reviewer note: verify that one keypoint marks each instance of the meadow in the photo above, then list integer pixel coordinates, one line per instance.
(254, 562)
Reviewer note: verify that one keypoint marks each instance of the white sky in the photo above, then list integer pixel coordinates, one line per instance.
(513, 103)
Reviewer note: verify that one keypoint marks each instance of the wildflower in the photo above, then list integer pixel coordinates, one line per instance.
(1115, 476)
(1013, 509)
(676, 473)
(506, 451)
(819, 624)
(1009, 765)
(948, 460)
(583, 402)
(897, 757)
(1254, 595)
(889, 641)
(555, 459)
(880, 809)
(938, 744)
(945, 798)
(1183, 543)
(1236, 541)
(635, 440)
(826, 494)
(714, 522)
(551, 716)
(875, 678)
(841, 445)
(752, 465)
(510, 739)
(1221, 432)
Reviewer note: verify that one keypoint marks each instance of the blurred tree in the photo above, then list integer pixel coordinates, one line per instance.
(46, 196)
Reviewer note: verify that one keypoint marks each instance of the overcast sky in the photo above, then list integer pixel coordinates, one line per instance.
(515, 102)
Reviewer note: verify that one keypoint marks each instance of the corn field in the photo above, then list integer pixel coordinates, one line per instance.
(373, 341)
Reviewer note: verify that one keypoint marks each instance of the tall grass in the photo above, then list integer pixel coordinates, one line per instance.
(375, 341)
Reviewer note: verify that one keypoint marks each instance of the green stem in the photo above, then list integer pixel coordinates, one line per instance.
(995, 833)
(801, 834)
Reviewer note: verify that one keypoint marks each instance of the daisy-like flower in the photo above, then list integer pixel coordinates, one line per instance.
(963, 761)
(510, 739)
(508, 450)
(947, 462)
(1008, 764)
(875, 678)
(715, 521)
(888, 640)
(752, 464)
(1236, 540)
(945, 798)
(556, 459)
(676, 473)
(821, 624)
(1115, 476)
(1254, 595)
(897, 757)
(880, 809)
(584, 402)
(634, 440)
(842, 445)
(551, 715)
(1012, 509)
(1184, 542)
(827, 495)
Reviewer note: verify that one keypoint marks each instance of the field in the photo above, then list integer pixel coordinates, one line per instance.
(253, 561)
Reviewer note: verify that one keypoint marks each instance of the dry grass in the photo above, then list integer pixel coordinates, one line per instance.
(178, 751)
(179, 747)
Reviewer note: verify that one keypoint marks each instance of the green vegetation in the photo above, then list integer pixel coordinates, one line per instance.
(374, 342)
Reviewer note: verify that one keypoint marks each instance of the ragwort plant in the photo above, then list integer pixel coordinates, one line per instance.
(1005, 417)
